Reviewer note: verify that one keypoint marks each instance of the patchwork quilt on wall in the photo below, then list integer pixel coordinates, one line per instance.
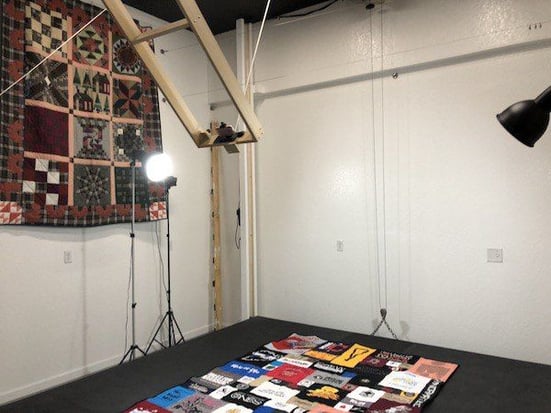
(302, 374)
(70, 130)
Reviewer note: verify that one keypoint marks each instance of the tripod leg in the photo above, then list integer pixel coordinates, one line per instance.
(128, 353)
(156, 334)
(179, 331)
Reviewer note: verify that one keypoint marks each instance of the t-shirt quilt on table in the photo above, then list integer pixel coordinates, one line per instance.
(308, 374)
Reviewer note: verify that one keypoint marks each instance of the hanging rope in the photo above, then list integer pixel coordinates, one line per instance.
(51, 54)
(382, 270)
(385, 266)
(375, 158)
(253, 60)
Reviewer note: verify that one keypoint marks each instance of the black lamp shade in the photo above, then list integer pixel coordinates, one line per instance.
(527, 120)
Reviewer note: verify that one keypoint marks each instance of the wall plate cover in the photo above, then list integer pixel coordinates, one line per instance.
(495, 255)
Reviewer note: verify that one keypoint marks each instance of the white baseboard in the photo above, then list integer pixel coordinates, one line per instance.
(46, 383)
(199, 331)
(49, 382)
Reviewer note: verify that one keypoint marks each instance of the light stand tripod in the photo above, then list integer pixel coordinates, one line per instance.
(172, 324)
(131, 353)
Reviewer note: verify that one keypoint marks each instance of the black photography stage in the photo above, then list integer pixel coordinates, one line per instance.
(481, 383)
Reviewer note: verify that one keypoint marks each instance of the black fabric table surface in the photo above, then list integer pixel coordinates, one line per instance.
(481, 383)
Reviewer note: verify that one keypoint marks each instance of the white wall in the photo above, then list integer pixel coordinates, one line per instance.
(455, 182)
(60, 321)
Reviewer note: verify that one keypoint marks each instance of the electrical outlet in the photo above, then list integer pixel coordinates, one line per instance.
(340, 245)
(495, 255)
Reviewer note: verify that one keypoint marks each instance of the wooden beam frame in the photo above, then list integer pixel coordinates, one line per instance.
(161, 31)
(131, 31)
(221, 66)
(196, 21)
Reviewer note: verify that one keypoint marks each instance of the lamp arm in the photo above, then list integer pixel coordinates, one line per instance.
(544, 99)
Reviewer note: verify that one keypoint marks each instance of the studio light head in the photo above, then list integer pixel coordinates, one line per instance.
(158, 167)
(527, 120)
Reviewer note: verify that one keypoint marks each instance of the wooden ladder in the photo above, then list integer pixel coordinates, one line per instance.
(196, 22)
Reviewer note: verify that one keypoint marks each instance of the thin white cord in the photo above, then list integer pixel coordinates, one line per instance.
(247, 83)
(51, 54)
(377, 260)
(128, 303)
(161, 261)
(381, 269)
(382, 309)
(383, 161)
(253, 60)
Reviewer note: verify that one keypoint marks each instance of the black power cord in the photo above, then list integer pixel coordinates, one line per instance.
(237, 237)
(289, 16)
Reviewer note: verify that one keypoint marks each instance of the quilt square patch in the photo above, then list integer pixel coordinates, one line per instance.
(92, 91)
(48, 83)
(47, 29)
(92, 138)
(127, 99)
(128, 141)
(46, 131)
(91, 48)
(10, 213)
(125, 59)
(92, 185)
(157, 210)
(123, 181)
(45, 182)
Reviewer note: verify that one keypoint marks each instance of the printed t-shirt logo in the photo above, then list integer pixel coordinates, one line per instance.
(328, 351)
(365, 394)
(328, 378)
(274, 392)
(329, 367)
(295, 344)
(262, 356)
(198, 403)
(324, 394)
(289, 373)
(243, 369)
(353, 356)
(405, 381)
(171, 396)
(437, 370)
(248, 400)
(217, 377)
(296, 360)
(428, 393)
(146, 407)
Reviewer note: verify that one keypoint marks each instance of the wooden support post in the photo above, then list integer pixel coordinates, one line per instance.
(210, 45)
(247, 185)
(161, 31)
(216, 250)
